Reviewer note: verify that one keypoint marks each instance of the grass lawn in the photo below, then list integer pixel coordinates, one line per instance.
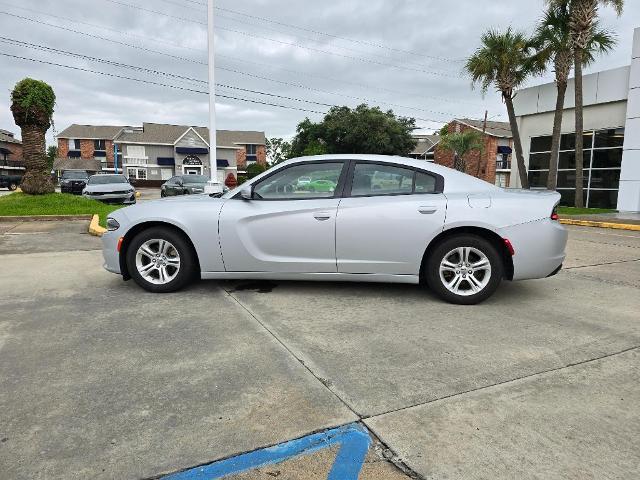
(583, 211)
(19, 204)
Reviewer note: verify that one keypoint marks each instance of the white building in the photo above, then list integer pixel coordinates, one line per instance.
(611, 136)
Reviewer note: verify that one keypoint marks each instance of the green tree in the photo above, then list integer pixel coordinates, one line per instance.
(505, 60)
(461, 144)
(255, 169)
(278, 150)
(52, 154)
(32, 103)
(553, 40)
(583, 22)
(363, 129)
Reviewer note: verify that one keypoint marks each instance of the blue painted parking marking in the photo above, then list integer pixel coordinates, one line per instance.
(354, 441)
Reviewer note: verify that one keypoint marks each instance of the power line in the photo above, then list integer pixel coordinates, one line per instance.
(40, 22)
(157, 40)
(282, 42)
(157, 83)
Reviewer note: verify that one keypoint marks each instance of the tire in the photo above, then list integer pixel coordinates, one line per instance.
(13, 187)
(471, 286)
(167, 277)
(162, 194)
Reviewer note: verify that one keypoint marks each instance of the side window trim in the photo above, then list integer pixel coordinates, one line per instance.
(439, 187)
(337, 193)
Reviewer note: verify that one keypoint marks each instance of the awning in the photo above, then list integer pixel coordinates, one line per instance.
(166, 161)
(74, 154)
(5, 151)
(192, 150)
(504, 149)
(222, 163)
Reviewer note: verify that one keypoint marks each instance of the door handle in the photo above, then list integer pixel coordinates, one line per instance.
(427, 210)
(322, 216)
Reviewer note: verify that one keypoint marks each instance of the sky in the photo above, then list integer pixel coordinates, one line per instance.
(304, 55)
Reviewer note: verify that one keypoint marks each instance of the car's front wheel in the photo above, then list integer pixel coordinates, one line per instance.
(464, 269)
(13, 186)
(160, 260)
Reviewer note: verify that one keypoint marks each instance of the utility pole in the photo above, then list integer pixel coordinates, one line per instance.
(214, 186)
(484, 131)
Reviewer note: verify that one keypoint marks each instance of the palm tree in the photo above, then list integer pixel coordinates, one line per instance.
(505, 60)
(584, 14)
(553, 39)
(461, 144)
(32, 103)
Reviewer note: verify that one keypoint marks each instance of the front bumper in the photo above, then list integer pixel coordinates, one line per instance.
(74, 189)
(539, 248)
(110, 252)
(124, 198)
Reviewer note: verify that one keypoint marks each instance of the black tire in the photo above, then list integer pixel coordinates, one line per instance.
(13, 187)
(443, 249)
(162, 194)
(188, 267)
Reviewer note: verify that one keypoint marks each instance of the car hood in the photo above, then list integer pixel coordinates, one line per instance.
(175, 210)
(109, 187)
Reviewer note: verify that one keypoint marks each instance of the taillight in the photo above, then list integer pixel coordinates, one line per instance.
(509, 246)
(554, 214)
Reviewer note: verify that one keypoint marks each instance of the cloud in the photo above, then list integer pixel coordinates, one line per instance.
(404, 53)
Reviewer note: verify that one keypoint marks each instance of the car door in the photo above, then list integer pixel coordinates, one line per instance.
(285, 227)
(387, 217)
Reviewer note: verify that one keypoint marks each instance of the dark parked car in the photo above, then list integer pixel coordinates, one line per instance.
(183, 185)
(10, 181)
(73, 181)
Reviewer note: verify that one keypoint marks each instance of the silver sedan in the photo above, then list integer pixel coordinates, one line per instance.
(362, 218)
(110, 189)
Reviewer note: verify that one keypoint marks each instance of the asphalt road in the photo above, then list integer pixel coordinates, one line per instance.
(101, 380)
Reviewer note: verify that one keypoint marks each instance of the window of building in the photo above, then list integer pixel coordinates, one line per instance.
(74, 144)
(137, 173)
(502, 180)
(252, 153)
(601, 166)
(99, 145)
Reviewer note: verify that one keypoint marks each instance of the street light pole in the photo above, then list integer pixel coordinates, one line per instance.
(213, 186)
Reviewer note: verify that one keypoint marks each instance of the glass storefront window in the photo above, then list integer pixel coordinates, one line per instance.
(539, 161)
(568, 141)
(541, 144)
(609, 138)
(603, 198)
(611, 158)
(567, 178)
(538, 179)
(605, 179)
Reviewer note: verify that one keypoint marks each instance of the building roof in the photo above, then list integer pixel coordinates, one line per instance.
(91, 132)
(495, 129)
(164, 134)
(91, 165)
(425, 143)
(7, 137)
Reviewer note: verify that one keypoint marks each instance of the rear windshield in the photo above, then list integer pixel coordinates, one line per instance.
(105, 179)
(74, 174)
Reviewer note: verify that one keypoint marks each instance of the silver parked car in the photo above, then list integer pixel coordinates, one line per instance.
(388, 219)
(110, 189)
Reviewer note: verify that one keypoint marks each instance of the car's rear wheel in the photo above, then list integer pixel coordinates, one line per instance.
(464, 269)
(160, 260)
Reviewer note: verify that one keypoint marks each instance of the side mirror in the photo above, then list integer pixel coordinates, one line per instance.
(247, 192)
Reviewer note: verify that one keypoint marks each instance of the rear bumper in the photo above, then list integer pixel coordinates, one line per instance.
(539, 248)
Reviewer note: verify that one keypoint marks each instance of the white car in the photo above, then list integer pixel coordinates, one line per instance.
(389, 219)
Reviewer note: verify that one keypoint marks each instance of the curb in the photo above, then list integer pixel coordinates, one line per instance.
(42, 218)
(591, 223)
(94, 227)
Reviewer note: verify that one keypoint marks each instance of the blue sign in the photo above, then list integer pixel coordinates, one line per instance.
(354, 441)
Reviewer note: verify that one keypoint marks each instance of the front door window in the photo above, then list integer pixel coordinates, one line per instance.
(311, 180)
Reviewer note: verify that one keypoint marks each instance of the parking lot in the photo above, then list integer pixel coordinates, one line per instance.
(101, 380)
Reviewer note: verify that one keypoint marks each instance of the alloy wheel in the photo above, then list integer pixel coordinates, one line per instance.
(465, 271)
(158, 261)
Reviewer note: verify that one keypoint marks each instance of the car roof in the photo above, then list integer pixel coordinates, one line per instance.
(455, 181)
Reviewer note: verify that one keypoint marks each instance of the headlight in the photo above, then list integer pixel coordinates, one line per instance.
(112, 224)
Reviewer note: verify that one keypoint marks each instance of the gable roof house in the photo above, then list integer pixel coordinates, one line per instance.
(154, 152)
(494, 163)
(425, 148)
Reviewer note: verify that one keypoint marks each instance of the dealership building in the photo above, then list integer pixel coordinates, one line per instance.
(611, 137)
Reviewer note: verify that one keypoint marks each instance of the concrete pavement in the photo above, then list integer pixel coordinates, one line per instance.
(101, 380)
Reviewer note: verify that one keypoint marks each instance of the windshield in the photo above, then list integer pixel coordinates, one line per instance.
(195, 179)
(74, 174)
(105, 179)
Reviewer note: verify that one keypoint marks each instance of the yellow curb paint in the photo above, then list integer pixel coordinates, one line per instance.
(590, 223)
(94, 227)
(138, 194)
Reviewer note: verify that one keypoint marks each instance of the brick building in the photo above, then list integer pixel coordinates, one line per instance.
(494, 164)
(155, 152)
(10, 154)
